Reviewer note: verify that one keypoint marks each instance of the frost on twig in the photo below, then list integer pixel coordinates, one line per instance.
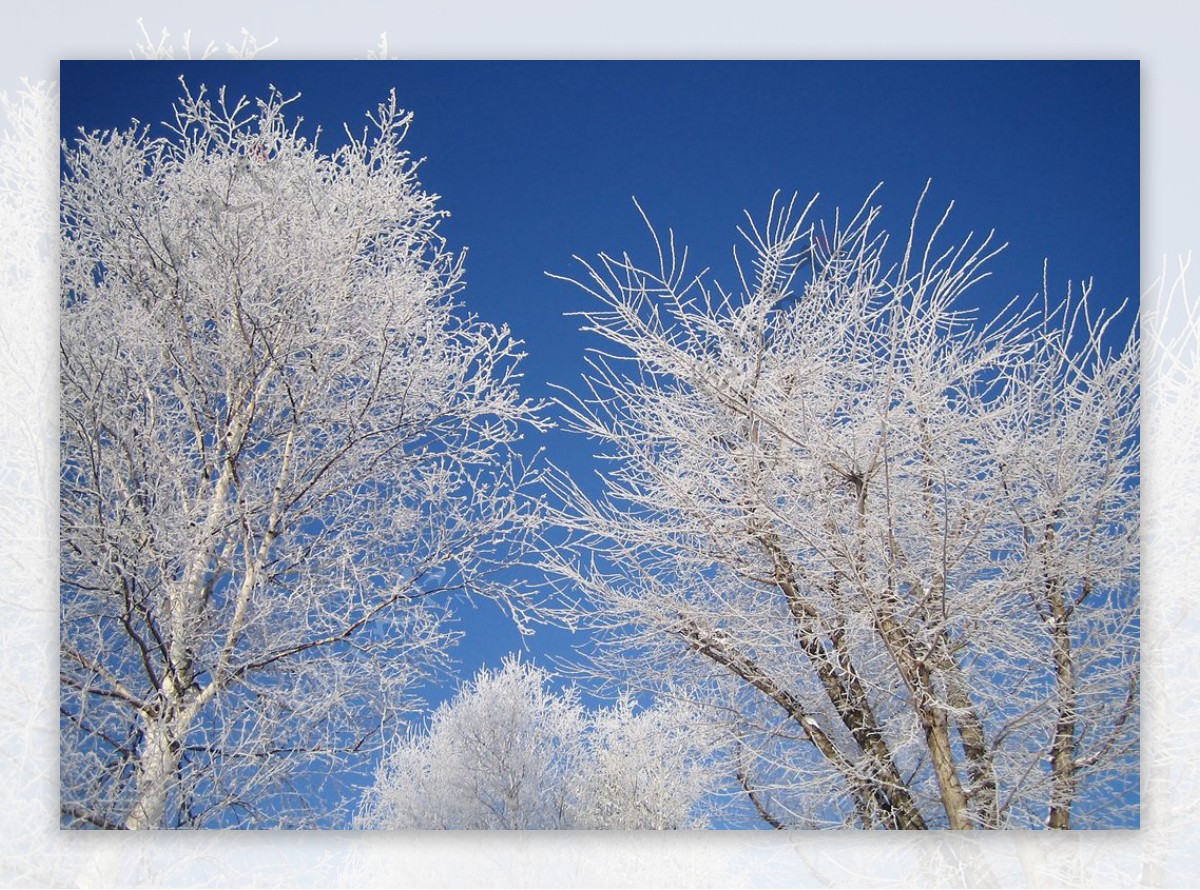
(162, 48)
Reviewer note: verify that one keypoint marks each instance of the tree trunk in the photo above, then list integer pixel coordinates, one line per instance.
(1062, 750)
(157, 767)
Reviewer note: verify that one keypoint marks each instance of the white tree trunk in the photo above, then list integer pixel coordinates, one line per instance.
(156, 771)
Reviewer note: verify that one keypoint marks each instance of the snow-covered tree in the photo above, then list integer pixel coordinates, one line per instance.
(281, 438)
(509, 752)
(895, 543)
(661, 767)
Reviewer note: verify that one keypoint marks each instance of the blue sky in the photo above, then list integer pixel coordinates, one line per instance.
(537, 161)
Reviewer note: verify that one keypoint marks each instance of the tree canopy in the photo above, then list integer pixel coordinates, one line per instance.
(894, 543)
(509, 752)
(281, 440)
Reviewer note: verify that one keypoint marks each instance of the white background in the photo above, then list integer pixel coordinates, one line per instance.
(32, 850)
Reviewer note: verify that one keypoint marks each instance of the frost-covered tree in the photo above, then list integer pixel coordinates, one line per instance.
(897, 544)
(281, 439)
(509, 752)
(661, 767)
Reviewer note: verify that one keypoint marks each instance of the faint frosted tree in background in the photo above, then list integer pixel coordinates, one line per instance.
(510, 753)
(896, 544)
(280, 439)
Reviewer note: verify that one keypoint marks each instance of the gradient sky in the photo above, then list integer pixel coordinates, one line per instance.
(537, 161)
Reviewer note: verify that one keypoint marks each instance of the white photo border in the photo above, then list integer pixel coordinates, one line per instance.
(32, 849)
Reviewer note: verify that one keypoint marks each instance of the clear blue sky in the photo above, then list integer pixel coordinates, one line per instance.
(537, 161)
